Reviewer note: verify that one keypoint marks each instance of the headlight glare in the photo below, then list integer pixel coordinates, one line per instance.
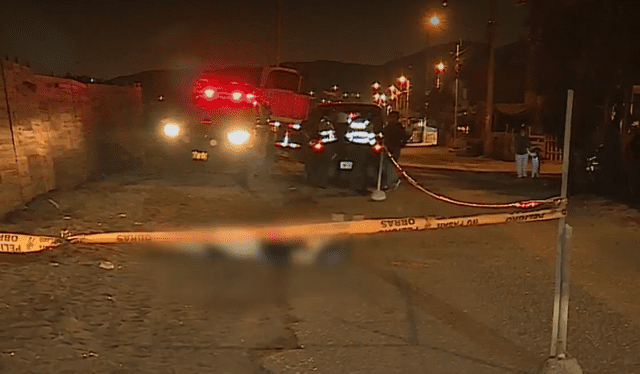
(171, 130)
(238, 137)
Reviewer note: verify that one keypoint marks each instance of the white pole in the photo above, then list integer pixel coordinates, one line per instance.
(378, 194)
(564, 293)
(562, 233)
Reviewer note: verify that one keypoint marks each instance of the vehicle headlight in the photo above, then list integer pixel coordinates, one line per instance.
(238, 137)
(171, 130)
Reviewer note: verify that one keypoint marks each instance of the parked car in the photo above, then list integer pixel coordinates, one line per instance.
(343, 144)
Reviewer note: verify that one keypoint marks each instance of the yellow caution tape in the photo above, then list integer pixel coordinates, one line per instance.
(294, 233)
(20, 243)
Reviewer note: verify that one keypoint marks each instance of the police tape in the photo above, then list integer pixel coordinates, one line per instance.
(526, 204)
(21, 243)
(18, 243)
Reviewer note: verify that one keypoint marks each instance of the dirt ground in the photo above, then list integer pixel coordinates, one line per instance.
(463, 300)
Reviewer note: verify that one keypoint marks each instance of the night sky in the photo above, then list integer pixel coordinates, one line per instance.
(110, 38)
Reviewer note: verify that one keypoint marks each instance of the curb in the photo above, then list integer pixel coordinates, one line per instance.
(469, 169)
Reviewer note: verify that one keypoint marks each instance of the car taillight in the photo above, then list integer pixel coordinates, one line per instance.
(317, 146)
(378, 148)
(209, 93)
(236, 96)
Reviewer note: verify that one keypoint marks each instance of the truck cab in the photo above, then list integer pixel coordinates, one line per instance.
(234, 109)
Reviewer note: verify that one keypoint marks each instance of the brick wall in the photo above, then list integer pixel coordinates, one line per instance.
(51, 129)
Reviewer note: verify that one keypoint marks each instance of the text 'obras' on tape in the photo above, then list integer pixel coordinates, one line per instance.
(19, 243)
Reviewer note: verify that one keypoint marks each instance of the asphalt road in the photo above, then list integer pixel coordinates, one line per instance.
(471, 300)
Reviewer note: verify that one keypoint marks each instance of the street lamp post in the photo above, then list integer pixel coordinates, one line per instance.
(405, 88)
(487, 128)
(433, 24)
(279, 33)
(456, 93)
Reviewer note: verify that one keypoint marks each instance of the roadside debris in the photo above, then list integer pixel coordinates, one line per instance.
(54, 203)
(90, 354)
(106, 265)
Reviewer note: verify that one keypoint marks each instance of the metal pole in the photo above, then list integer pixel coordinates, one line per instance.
(562, 233)
(486, 133)
(455, 101)
(408, 95)
(378, 194)
(561, 350)
(279, 33)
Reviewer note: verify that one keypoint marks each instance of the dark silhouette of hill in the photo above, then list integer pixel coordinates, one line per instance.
(350, 77)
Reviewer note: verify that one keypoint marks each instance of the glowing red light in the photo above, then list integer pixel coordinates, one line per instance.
(378, 148)
(236, 96)
(318, 147)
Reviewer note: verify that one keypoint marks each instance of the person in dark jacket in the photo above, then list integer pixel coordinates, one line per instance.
(395, 137)
(522, 146)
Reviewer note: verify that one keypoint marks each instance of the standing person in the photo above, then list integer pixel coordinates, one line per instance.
(535, 163)
(395, 137)
(522, 145)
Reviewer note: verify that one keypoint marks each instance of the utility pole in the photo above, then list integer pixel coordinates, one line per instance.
(486, 133)
(279, 33)
(457, 89)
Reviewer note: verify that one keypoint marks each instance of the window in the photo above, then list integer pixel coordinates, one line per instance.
(245, 75)
(283, 80)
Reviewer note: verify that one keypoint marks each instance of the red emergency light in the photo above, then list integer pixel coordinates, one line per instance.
(217, 93)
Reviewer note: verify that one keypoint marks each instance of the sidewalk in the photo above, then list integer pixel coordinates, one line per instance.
(441, 158)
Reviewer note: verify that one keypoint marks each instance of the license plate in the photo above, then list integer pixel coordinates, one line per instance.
(346, 165)
(198, 155)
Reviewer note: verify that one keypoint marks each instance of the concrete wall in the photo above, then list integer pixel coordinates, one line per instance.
(52, 128)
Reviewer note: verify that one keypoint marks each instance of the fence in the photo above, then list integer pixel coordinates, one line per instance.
(548, 145)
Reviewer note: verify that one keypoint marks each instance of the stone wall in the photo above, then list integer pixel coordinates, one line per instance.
(51, 130)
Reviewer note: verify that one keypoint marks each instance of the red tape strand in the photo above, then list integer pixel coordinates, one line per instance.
(527, 204)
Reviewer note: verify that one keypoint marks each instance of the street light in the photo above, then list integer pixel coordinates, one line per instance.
(440, 67)
(376, 86)
(434, 20)
(405, 85)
